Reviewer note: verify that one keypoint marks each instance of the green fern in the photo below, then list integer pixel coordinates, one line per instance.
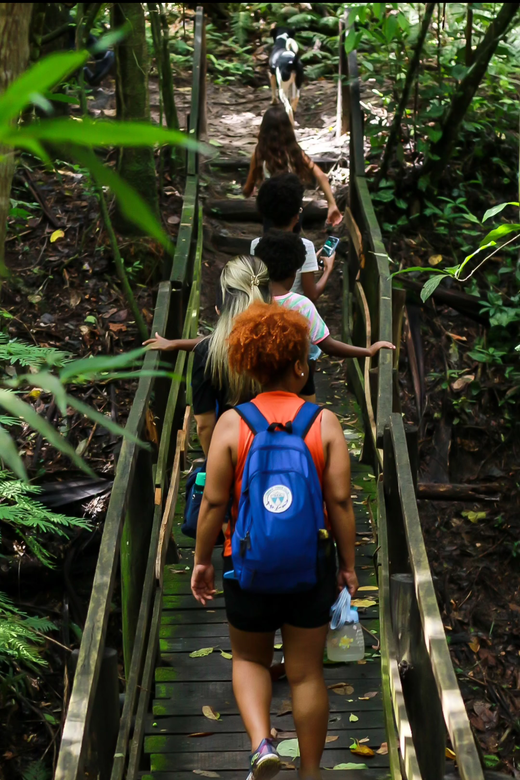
(29, 517)
(36, 771)
(30, 355)
(242, 24)
(21, 635)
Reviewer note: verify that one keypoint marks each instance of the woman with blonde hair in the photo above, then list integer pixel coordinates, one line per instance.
(215, 386)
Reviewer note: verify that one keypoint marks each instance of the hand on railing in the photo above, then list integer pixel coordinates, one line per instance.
(377, 345)
(347, 578)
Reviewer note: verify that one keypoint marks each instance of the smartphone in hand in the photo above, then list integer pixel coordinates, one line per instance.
(329, 248)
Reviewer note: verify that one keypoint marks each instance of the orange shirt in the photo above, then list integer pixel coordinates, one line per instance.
(276, 407)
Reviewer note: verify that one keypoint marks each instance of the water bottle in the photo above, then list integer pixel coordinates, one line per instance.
(345, 641)
(200, 481)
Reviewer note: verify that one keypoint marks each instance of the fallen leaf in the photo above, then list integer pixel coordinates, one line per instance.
(285, 708)
(274, 733)
(286, 765)
(363, 603)
(462, 382)
(205, 773)
(75, 298)
(228, 656)
(115, 327)
(456, 337)
(353, 718)
(361, 750)
(368, 587)
(331, 739)
(362, 663)
(202, 734)
(514, 607)
(210, 713)
(278, 647)
(474, 644)
(34, 298)
(383, 750)
(342, 689)
(204, 651)
(289, 748)
(287, 735)
(110, 111)
(450, 754)
(57, 234)
(173, 220)
(350, 766)
(84, 330)
(370, 695)
(435, 259)
(474, 517)
(119, 316)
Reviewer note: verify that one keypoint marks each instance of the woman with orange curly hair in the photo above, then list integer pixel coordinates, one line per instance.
(270, 344)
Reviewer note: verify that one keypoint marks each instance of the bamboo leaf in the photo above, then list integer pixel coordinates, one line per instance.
(500, 232)
(87, 367)
(497, 209)
(19, 408)
(131, 204)
(9, 454)
(210, 713)
(38, 79)
(225, 655)
(202, 653)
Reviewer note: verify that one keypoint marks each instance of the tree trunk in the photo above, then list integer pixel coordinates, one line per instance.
(15, 19)
(469, 36)
(440, 152)
(136, 166)
(413, 67)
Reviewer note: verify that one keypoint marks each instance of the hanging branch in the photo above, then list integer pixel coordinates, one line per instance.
(440, 151)
(410, 77)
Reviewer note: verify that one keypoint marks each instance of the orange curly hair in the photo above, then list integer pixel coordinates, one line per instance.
(266, 339)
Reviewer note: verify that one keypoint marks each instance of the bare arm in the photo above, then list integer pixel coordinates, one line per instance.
(172, 345)
(336, 494)
(219, 480)
(334, 215)
(339, 349)
(205, 426)
(251, 178)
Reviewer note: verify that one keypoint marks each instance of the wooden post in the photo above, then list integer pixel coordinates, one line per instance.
(104, 724)
(134, 549)
(423, 704)
(412, 440)
(397, 547)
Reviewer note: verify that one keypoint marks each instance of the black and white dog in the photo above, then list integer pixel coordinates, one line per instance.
(285, 70)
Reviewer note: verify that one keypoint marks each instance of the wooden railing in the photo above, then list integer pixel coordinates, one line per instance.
(422, 700)
(137, 527)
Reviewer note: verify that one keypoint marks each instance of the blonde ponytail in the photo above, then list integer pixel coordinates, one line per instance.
(243, 281)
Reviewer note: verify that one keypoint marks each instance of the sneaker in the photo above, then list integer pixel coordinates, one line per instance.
(265, 761)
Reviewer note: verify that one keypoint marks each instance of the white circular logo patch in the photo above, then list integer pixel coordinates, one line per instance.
(277, 499)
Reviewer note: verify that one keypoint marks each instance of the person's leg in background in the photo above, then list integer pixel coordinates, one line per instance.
(303, 651)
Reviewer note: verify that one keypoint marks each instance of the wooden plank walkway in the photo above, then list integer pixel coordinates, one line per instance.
(184, 685)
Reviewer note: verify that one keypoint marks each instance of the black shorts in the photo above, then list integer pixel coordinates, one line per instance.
(309, 388)
(263, 612)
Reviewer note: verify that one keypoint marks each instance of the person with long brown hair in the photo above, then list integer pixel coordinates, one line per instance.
(278, 151)
(270, 344)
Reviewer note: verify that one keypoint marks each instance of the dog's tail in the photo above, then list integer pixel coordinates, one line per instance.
(291, 45)
(283, 95)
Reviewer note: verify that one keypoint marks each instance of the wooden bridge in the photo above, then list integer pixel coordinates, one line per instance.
(403, 700)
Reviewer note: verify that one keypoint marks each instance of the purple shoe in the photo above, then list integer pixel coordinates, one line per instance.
(265, 761)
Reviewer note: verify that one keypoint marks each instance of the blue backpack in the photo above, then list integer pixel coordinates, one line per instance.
(280, 513)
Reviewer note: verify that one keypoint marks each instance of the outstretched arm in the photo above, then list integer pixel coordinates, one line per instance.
(172, 345)
(339, 349)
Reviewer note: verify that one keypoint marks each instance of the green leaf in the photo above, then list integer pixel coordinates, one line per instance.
(19, 408)
(352, 40)
(40, 78)
(431, 285)
(497, 209)
(390, 28)
(202, 653)
(289, 748)
(501, 231)
(89, 367)
(278, 647)
(433, 134)
(474, 517)
(350, 766)
(225, 655)
(353, 718)
(131, 204)
(89, 132)
(104, 421)
(9, 454)
(459, 71)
